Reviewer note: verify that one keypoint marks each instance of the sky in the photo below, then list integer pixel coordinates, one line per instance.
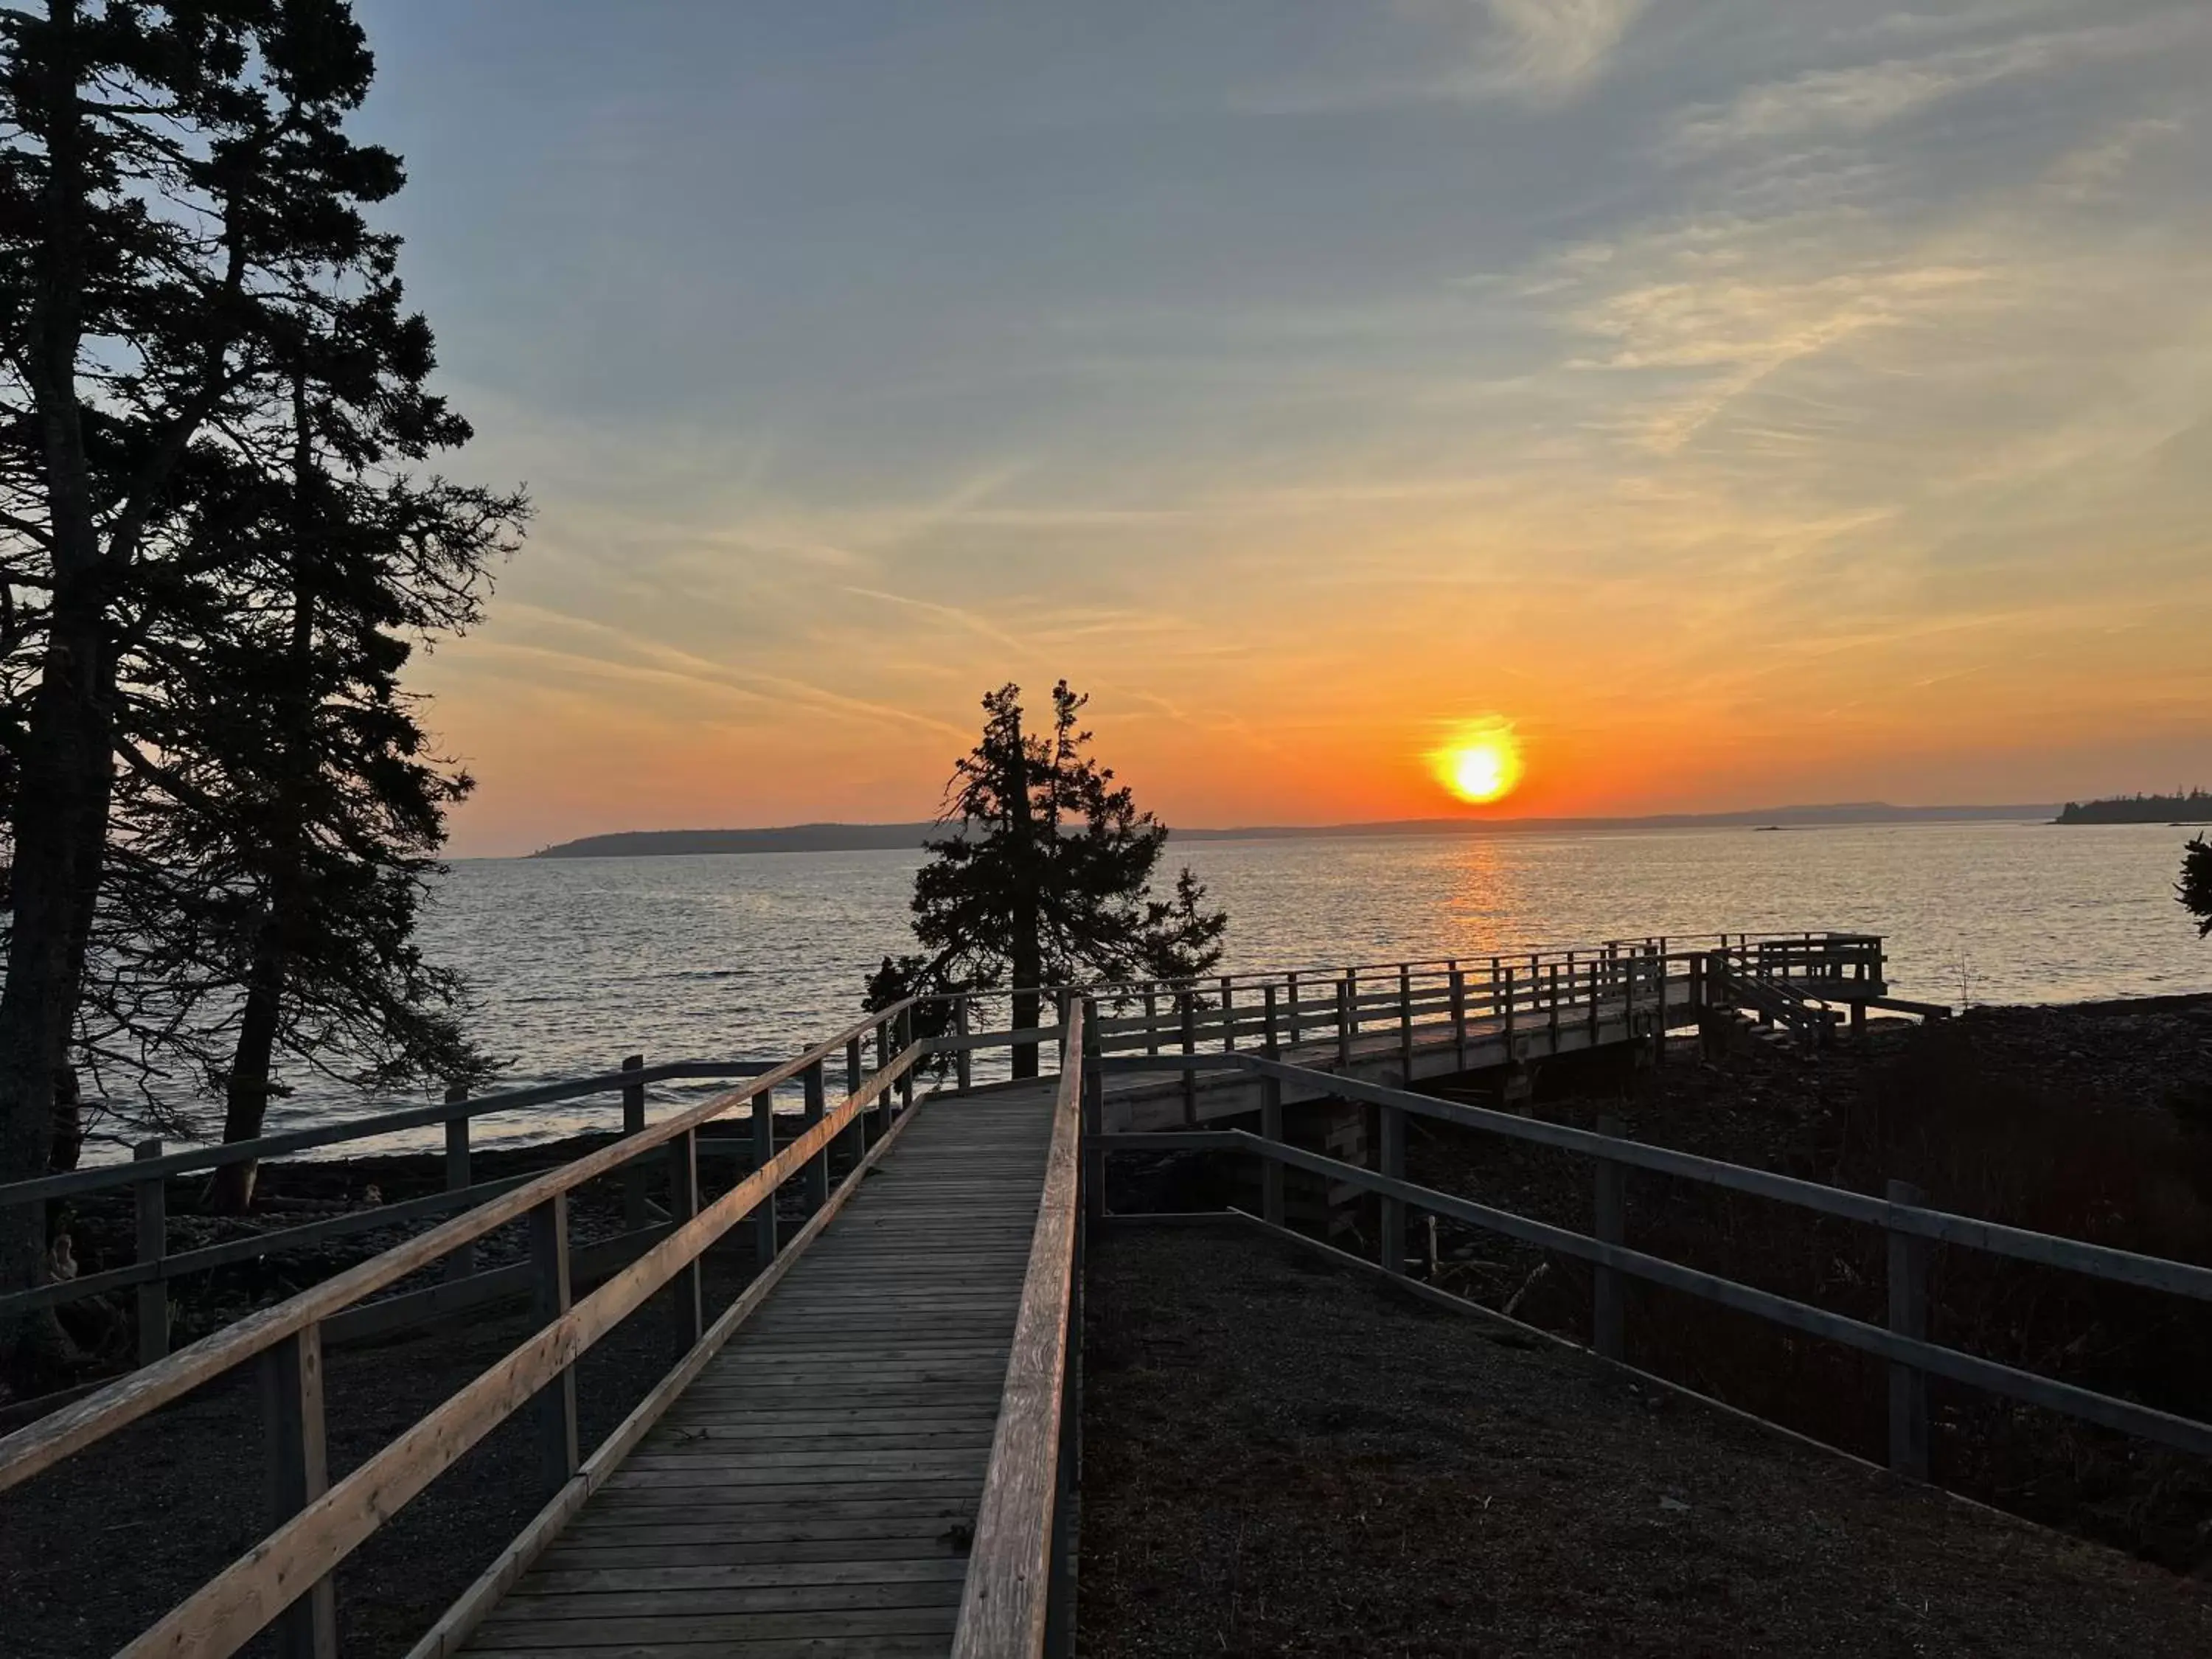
(1750, 402)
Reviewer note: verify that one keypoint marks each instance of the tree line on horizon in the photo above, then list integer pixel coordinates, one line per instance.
(218, 550)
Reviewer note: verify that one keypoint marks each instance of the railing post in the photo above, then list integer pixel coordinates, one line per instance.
(1151, 1019)
(1345, 1019)
(1404, 1027)
(299, 1473)
(1458, 1014)
(854, 1066)
(905, 1078)
(152, 1198)
(1270, 1045)
(764, 1155)
(1554, 1001)
(554, 1408)
(1060, 1004)
(1292, 1011)
(1189, 1047)
(462, 1260)
(1908, 1316)
(1608, 1326)
(633, 1103)
(1094, 1116)
(963, 1059)
(682, 1205)
(1393, 1165)
(1228, 1016)
(1271, 1169)
(1596, 991)
(815, 1102)
(1507, 992)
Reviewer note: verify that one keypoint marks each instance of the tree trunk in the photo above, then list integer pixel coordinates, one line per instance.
(245, 1098)
(64, 788)
(61, 831)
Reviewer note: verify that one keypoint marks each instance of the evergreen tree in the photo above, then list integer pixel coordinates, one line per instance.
(1044, 878)
(2194, 891)
(178, 204)
(280, 804)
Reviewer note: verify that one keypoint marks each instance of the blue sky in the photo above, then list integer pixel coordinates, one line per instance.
(1749, 401)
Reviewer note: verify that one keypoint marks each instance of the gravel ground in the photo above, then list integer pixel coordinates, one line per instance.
(1284, 1456)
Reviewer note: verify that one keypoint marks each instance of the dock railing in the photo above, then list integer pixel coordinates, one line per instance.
(1908, 1226)
(1360, 1010)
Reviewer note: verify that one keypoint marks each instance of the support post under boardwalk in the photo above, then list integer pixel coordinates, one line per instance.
(1908, 1316)
(152, 1198)
(299, 1473)
(1189, 1047)
(554, 1408)
(1608, 1329)
(688, 1290)
(633, 1108)
(1093, 1122)
(1393, 1159)
(1271, 1169)
(815, 1097)
(764, 1155)
(462, 1260)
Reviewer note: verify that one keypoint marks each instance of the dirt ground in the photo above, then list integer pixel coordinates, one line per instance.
(1283, 1457)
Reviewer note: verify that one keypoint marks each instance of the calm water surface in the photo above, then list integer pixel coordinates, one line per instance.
(577, 963)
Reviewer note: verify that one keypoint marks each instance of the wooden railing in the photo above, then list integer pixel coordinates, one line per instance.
(1645, 984)
(286, 1577)
(1455, 999)
(1019, 1598)
(1910, 1227)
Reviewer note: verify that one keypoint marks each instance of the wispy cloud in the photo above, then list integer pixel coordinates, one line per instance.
(1862, 97)
(1471, 52)
(1548, 48)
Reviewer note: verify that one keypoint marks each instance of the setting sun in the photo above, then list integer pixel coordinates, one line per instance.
(1481, 763)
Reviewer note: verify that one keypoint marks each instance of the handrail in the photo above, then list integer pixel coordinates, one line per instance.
(198, 1158)
(2147, 1422)
(2103, 1261)
(233, 1608)
(44, 1442)
(1009, 1586)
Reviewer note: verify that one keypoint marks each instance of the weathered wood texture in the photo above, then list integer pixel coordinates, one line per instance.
(1008, 1592)
(818, 1482)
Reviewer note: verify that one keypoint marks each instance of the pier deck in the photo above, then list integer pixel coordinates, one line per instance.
(817, 1486)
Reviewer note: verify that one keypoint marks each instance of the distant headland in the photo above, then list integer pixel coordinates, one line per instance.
(867, 837)
(2194, 807)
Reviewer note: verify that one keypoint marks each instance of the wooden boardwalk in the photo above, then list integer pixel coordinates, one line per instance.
(815, 1490)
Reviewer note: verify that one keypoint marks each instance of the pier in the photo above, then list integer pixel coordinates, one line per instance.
(871, 1446)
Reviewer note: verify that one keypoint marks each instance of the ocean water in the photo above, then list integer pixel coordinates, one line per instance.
(577, 963)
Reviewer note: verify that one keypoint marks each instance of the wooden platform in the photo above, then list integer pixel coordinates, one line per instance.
(814, 1492)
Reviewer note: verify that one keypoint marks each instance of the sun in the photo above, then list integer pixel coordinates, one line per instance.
(1480, 762)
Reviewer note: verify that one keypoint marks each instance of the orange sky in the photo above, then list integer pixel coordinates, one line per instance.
(1755, 403)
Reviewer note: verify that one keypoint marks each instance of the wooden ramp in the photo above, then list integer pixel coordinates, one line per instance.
(815, 1490)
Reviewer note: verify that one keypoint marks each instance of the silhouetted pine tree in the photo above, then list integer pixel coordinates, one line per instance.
(180, 211)
(2194, 891)
(1044, 878)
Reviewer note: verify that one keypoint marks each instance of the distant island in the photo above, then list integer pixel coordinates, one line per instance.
(2196, 806)
(878, 837)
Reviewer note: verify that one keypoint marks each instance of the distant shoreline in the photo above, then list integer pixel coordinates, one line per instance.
(883, 837)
